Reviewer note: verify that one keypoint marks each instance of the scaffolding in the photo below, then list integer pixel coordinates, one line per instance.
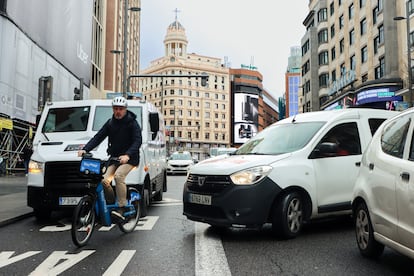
(15, 134)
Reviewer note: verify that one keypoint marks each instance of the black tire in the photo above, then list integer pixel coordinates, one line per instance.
(83, 221)
(288, 216)
(132, 220)
(42, 214)
(159, 196)
(145, 202)
(164, 183)
(364, 233)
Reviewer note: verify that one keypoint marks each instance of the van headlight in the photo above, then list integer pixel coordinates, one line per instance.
(35, 167)
(250, 176)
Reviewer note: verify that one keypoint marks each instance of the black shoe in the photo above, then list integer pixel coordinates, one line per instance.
(119, 214)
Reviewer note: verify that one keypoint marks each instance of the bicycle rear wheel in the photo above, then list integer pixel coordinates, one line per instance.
(131, 221)
(83, 221)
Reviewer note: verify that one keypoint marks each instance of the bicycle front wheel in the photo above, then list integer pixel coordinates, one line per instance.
(131, 220)
(83, 221)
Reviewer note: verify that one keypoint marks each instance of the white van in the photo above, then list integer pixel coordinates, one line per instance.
(298, 169)
(65, 127)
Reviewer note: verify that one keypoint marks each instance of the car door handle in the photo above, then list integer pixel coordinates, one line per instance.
(371, 166)
(405, 176)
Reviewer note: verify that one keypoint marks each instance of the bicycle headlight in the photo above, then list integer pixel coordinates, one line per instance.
(250, 176)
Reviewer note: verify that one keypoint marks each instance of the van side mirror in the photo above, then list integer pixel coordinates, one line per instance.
(325, 149)
(154, 121)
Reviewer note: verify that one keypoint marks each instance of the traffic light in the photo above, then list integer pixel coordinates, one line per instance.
(204, 79)
(77, 94)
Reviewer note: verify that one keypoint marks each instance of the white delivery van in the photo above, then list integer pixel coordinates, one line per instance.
(298, 169)
(65, 127)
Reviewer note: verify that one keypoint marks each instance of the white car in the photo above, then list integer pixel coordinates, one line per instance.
(299, 169)
(179, 162)
(383, 198)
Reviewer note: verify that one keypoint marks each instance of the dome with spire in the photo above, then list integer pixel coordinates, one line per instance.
(175, 40)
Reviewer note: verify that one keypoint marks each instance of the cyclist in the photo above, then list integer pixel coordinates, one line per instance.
(124, 141)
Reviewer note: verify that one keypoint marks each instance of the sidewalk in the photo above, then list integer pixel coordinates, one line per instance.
(13, 202)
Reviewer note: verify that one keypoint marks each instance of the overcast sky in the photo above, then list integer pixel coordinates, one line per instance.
(250, 32)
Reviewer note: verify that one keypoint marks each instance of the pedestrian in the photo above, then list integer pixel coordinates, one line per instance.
(27, 153)
(124, 141)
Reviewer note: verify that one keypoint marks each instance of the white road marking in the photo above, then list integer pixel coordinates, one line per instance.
(6, 257)
(59, 261)
(118, 266)
(167, 202)
(146, 223)
(210, 258)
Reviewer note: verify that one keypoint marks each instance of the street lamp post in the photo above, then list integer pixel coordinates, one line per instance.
(410, 74)
(125, 47)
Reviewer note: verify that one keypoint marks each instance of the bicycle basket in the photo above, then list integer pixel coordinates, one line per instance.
(91, 166)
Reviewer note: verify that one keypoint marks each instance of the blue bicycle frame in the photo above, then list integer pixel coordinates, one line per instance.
(93, 167)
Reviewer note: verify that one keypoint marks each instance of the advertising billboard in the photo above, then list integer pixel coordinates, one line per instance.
(246, 116)
(61, 28)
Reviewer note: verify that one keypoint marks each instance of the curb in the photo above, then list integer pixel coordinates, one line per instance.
(15, 219)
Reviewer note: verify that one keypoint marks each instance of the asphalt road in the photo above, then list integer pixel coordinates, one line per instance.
(166, 243)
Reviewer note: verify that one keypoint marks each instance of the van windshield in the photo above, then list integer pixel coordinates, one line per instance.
(279, 139)
(66, 119)
(104, 113)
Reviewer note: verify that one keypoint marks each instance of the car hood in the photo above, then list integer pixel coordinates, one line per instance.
(229, 164)
(180, 162)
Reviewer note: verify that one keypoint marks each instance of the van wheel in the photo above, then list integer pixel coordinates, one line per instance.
(287, 218)
(364, 233)
(145, 202)
(159, 195)
(42, 214)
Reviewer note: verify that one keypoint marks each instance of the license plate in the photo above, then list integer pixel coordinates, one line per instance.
(68, 200)
(200, 199)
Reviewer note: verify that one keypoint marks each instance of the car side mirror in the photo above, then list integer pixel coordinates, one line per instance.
(325, 149)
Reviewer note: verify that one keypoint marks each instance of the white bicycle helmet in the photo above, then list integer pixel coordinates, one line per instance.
(119, 101)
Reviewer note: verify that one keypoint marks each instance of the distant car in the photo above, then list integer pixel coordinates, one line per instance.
(383, 197)
(179, 162)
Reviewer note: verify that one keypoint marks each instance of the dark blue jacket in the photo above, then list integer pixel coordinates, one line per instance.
(124, 137)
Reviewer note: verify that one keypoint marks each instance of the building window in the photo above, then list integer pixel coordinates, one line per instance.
(341, 46)
(333, 76)
(374, 15)
(380, 5)
(323, 36)
(333, 53)
(352, 62)
(364, 54)
(362, 3)
(305, 47)
(351, 37)
(332, 8)
(351, 11)
(324, 80)
(376, 44)
(363, 26)
(323, 58)
(322, 15)
(333, 30)
(379, 70)
(341, 22)
(381, 34)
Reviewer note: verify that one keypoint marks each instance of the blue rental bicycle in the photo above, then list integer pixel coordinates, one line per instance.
(93, 210)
